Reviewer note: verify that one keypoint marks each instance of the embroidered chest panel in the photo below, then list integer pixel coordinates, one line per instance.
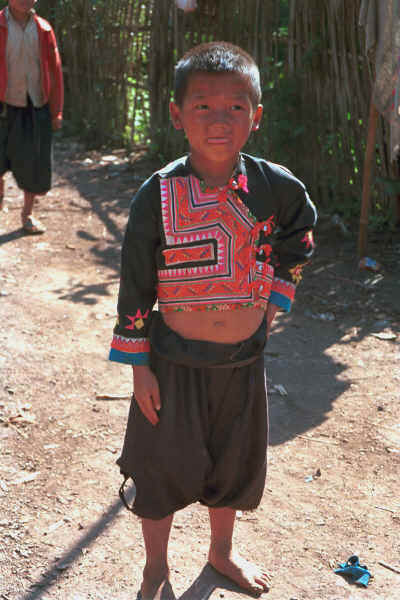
(212, 248)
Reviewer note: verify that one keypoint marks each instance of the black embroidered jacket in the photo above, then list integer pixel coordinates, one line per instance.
(195, 248)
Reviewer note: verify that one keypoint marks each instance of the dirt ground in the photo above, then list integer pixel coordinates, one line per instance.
(334, 370)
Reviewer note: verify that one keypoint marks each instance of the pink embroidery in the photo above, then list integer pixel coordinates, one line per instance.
(240, 184)
(132, 320)
(137, 320)
(308, 240)
(266, 249)
(260, 303)
(129, 345)
(263, 226)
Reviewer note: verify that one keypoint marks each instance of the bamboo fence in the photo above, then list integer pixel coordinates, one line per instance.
(119, 57)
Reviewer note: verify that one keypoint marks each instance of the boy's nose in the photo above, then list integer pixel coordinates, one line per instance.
(220, 116)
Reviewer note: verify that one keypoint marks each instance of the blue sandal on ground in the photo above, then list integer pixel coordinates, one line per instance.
(352, 568)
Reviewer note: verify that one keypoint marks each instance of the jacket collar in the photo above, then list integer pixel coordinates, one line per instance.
(41, 23)
(8, 15)
(239, 170)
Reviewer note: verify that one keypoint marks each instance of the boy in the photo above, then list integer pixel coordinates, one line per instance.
(219, 238)
(31, 103)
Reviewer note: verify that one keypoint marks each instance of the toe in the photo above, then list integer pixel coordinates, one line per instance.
(264, 585)
(256, 588)
(264, 580)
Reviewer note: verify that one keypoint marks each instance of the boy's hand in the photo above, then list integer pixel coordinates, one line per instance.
(56, 123)
(272, 309)
(147, 392)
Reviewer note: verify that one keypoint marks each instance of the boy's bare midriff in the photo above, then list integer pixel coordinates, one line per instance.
(227, 326)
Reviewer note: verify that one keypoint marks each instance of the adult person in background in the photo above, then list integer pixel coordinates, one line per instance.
(31, 103)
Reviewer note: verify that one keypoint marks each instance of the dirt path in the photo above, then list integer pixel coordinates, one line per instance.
(334, 366)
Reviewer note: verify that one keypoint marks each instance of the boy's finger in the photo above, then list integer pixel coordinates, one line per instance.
(146, 406)
(151, 415)
(156, 399)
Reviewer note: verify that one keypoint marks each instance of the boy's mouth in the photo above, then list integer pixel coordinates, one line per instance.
(218, 140)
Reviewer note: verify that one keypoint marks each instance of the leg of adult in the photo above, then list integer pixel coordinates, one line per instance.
(226, 560)
(4, 163)
(29, 223)
(29, 152)
(156, 570)
(29, 200)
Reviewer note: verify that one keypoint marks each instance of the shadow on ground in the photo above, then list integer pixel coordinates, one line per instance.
(56, 572)
(11, 236)
(309, 377)
(298, 354)
(208, 581)
(106, 191)
(201, 589)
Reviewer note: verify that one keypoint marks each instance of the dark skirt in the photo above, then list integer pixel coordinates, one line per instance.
(25, 146)
(210, 444)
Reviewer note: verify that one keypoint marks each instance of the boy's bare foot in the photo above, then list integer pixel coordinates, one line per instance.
(155, 585)
(244, 573)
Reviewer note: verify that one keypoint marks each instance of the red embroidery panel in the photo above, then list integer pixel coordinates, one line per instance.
(206, 219)
(200, 253)
(130, 345)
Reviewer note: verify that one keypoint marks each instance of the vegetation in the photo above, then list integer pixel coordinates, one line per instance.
(119, 55)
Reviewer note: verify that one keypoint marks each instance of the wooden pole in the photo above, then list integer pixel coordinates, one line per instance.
(368, 165)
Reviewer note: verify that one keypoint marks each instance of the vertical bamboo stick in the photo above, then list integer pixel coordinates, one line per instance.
(369, 155)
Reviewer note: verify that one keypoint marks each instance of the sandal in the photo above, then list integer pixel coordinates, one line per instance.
(33, 226)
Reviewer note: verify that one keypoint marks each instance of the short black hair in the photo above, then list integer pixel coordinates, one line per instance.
(217, 57)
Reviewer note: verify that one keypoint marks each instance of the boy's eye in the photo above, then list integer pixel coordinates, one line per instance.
(237, 107)
(201, 106)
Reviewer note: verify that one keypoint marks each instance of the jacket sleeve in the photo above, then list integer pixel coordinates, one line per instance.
(56, 98)
(138, 280)
(293, 244)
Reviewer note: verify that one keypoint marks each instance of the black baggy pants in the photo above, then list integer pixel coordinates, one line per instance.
(210, 444)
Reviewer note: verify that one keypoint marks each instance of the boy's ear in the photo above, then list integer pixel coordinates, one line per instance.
(175, 114)
(257, 117)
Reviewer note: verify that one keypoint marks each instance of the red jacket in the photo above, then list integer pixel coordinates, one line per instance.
(52, 76)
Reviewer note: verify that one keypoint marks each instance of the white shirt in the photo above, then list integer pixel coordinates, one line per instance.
(23, 63)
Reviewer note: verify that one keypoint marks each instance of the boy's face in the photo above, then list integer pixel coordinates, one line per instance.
(217, 116)
(21, 6)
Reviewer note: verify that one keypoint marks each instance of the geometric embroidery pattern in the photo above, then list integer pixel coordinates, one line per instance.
(130, 345)
(283, 287)
(199, 253)
(217, 227)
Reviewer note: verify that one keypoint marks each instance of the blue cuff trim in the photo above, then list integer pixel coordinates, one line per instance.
(280, 300)
(127, 358)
